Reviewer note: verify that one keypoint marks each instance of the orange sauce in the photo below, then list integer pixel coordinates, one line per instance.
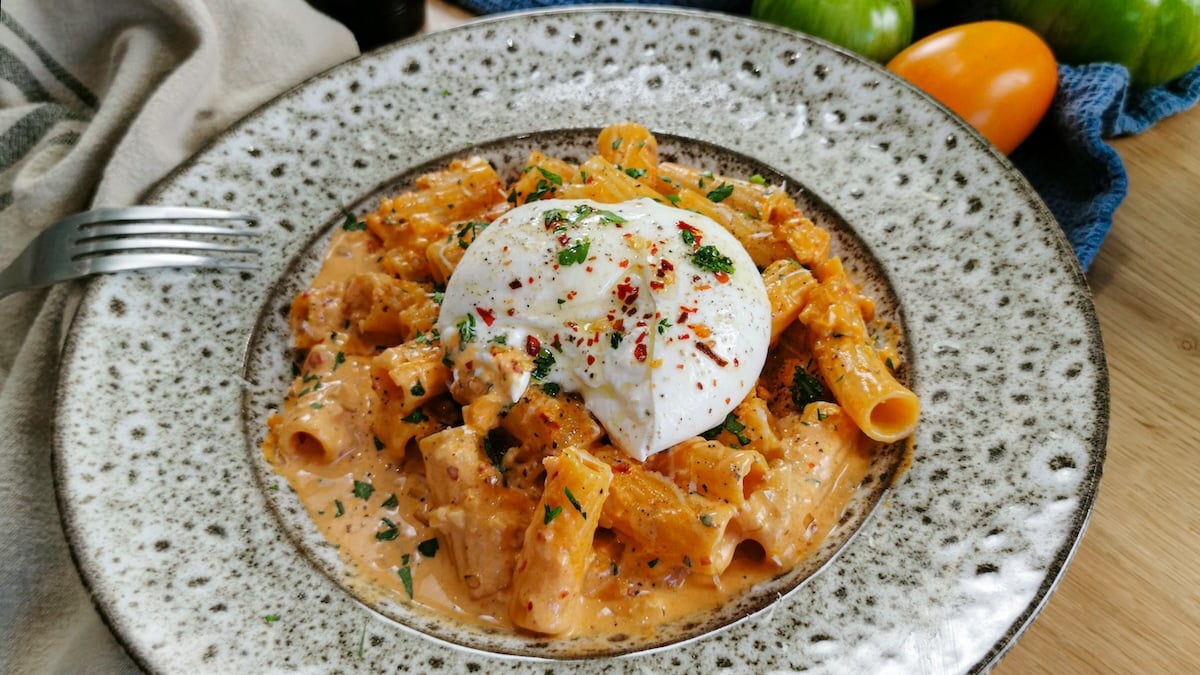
(631, 602)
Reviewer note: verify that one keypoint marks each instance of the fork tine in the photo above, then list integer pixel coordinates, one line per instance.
(140, 213)
(139, 261)
(109, 229)
(86, 248)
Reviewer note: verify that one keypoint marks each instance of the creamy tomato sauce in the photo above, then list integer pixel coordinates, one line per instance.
(624, 594)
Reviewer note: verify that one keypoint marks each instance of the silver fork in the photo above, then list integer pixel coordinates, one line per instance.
(137, 237)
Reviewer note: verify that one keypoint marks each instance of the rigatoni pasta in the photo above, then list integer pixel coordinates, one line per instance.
(523, 513)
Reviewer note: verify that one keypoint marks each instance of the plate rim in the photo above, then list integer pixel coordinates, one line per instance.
(1096, 444)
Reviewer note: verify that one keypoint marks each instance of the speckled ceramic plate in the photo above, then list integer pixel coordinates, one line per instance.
(189, 543)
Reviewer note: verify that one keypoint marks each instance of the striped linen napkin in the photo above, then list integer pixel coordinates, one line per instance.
(98, 101)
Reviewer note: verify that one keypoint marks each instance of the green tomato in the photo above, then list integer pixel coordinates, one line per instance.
(877, 29)
(1157, 40)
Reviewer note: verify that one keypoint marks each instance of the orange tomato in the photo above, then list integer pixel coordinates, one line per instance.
(998, 76)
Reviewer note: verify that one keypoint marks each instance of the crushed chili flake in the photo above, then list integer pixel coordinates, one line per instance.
(514, 284)
(705, 349)
(486, 314)
(627, 292)
(640, 352)
(532, 345)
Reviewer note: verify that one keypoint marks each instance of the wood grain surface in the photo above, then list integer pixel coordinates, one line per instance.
(1130, 600)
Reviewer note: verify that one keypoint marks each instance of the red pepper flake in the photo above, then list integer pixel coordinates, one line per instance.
(620, 468)
(696, 235)
(624, 263)
(627, 292)
(486, 314)
(722, 277)
(591, 359)
(640, 352)
(706, 350)
(532, 345)
(514, 284)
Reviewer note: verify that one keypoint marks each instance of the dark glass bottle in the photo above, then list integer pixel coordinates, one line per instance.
(375, 22)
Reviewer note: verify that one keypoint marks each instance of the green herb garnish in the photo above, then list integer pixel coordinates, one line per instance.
(363, 490)
(805, 388)
(711, 259)
(575, 253)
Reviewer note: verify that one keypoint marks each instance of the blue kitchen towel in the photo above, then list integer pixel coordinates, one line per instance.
(1067, 159)
(1080, 176)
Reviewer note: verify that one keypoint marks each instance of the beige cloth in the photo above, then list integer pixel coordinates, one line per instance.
(98, 100)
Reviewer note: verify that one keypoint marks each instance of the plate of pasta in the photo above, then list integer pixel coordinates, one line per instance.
(591, 339)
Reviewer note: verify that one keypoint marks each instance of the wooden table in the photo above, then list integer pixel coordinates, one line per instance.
(1130, 601)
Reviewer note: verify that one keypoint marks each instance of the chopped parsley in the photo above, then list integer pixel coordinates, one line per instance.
(417, 389)
(363, 490)
(428, 548)
(550, 176)
(608, 216)
(635, 173)
(338, 509)
(271, 618)
(805, 388)
(711, 259)
(352, 224)
(389, 532)
(575, 253)
(391, 502)
(468, 232)
(575, 502)
(466, 328)
(652, 563)
(556, 220)
(551, 389)
(663, 325)
(551, 513)
(405, 573)
(733, 426)
(378, 444)
(720, 193)
(415, 417)
(542, 363)
(542, 188)
(617, 143)
(706, 520)
(614, 339)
